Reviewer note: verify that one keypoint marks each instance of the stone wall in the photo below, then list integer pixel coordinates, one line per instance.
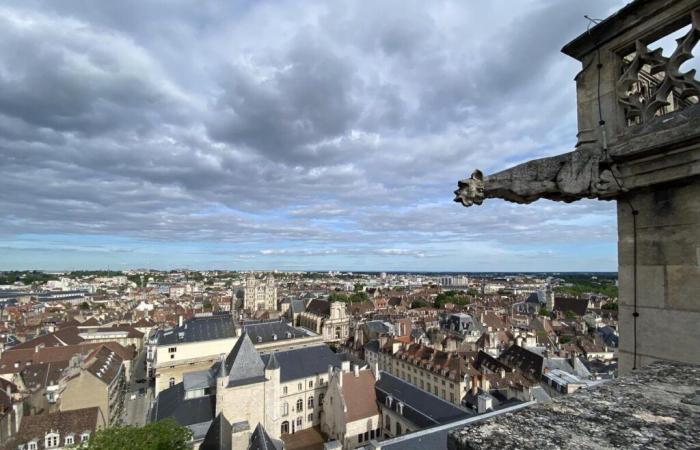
(668, 274)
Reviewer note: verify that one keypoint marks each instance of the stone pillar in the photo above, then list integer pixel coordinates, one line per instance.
(668, 274)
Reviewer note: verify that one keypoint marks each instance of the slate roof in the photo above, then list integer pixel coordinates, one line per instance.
(218, 435)
(319, 307)
(243, 364)
(271, 331)
(577, 306)
(297, 306)
(260, 440)
(529, 363)
(420, 407)
(171, 402)
(200, 379)
(304, 362)
(196, 329)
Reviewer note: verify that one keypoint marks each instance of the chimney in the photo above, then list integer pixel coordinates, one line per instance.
(485, 384)
(474, 384)
(330, 372)
(375, 369)
(340, 378)
(179, 320)
(357, 370)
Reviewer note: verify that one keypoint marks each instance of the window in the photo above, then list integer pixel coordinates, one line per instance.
(300, 405)
(171, 382)
(299, 421)
(31, 445)
(398, 429)
(51, 440)
(300, 386)
(321, 381)
(371, 434)
(387, 422)
(70, 440)
(311, 384)
(172, 356)
(284, 389)
(285, 427)
(310, 419)
(285, 409)
(84, 437)
(310, 402)
(452, 397)
(172, 349)
(366, 436)
(359, 437)
(320, 399)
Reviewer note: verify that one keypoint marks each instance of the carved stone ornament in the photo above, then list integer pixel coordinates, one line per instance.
(643, 100)
(584, 173)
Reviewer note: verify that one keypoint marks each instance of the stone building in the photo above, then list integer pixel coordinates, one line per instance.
(64, 429)
(259, 294)
(329, 319)
(100, 381)
(351, 415)
(281, 390)
(639, 144)
(197, 343)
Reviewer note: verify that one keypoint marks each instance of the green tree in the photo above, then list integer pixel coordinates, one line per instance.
(543, 311)
(337, 297)
(570, 315)
(358, 297)
(84, 306)
(418, 303)
(166, 434)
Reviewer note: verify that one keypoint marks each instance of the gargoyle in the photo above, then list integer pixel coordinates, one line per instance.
(583, 173)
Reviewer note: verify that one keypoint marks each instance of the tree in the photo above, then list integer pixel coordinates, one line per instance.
(337, 297)
(570, 315)
(84, 306)
(358, 297)
(543, 311)
(456, 297)
(418, 303)
(166, 434)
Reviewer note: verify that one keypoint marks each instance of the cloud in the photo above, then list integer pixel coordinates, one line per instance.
(298, 128)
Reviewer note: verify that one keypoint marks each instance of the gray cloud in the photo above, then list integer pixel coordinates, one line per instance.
(323, 125)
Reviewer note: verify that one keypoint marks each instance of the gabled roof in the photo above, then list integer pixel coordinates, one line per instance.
(260, 440)
(360, 397)
(218, 435)
(577, 306)
(243, 364)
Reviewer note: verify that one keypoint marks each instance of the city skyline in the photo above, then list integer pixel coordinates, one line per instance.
(283, 136)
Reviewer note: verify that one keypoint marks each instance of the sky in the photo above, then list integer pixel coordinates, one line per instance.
(289, 135)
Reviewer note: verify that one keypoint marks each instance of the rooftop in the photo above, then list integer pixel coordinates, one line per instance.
(218, 326)
(657, 407)
(304, 362)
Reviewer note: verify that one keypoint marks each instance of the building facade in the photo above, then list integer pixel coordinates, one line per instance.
(260, 294)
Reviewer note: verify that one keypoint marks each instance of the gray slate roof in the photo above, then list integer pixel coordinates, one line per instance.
(218, 435)
(420, 407)
(218, 326)
(261, 332)
(304, 362)
(172, 403)
(243, 364)
(260, 440)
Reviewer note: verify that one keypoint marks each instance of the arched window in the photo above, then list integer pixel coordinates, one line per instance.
(300, 405)
(310, 402)
(285, 409)
(285, 427)
(310, 419)
(171, 382)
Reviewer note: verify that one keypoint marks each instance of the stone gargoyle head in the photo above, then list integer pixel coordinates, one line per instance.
(470, 191)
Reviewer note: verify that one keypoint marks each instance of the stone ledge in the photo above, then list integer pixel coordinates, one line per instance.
(657, 407)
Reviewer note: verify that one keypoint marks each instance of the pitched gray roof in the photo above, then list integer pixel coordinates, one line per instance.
(272, 363)
(243, 364)
(218, 436)
(260, 440)
(218, 326)
(304, 362)
(172, 403)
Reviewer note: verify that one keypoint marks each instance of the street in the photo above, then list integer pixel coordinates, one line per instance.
(136, 408)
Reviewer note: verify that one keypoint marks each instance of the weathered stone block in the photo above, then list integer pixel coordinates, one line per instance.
(651, 281)
(683, 288)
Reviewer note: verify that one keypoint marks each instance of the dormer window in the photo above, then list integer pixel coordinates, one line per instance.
(51, 440)
(259, 339)
(389, 401)
(399, 408)
(32, 445)
(84, 437)
(69, 440)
